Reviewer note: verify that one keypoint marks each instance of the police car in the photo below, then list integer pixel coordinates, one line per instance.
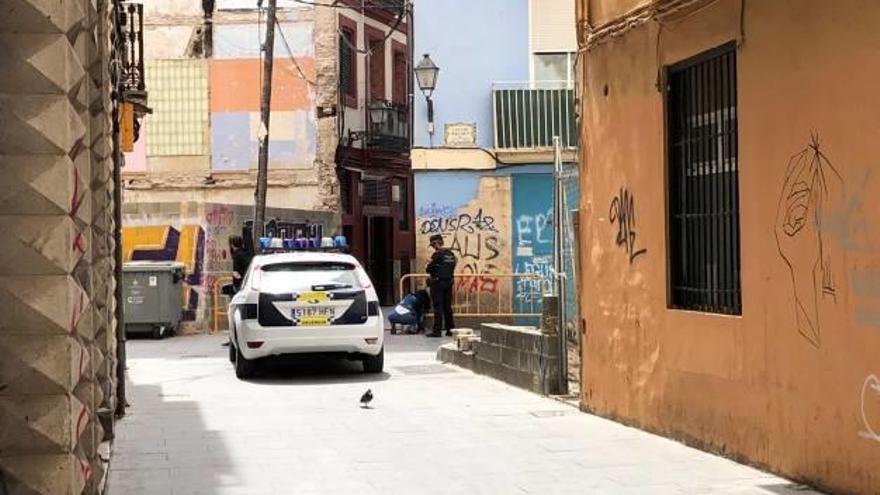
(306, 301)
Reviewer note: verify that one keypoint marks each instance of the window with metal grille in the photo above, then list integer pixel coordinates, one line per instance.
(703, 183)
(347, 63)
(377, 192)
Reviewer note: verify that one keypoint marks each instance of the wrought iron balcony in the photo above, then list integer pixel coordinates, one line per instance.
(529, 114)
(389, 126)
(130, 46)
(394, 7)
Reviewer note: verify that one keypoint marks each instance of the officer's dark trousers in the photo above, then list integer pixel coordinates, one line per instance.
(441, 295)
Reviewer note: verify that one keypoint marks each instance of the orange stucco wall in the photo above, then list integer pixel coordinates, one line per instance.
(235, 84)
(759, 386)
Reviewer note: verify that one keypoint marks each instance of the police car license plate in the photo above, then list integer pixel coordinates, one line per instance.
(314, 316)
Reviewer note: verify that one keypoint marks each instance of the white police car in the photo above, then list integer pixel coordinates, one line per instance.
(305, 302)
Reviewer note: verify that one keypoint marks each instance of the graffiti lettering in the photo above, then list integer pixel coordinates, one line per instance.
(473, 278)
(623, 212)
(220, 216)
(435, 210)
(532, 230)
(215, 253)
(464, 222)
(530, 290)
(472, 247)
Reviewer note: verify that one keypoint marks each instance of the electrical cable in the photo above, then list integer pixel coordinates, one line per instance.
(299, 69)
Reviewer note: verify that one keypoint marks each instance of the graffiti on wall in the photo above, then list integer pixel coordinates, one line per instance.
(436, 210)
(474, 239)
(810, 183)
(167, 243)
(218, 223)
(534, 254)
(532, 238)
(870, 408)
(623, 212)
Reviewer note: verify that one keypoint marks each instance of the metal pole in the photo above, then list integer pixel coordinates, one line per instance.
(410, 64)
(559, 290)
(265, 110)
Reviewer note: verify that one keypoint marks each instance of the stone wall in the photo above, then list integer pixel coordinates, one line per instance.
(524, 357)
(57, 327)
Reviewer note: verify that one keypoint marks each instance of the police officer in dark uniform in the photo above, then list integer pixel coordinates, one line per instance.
(241, 260)
(441, 270)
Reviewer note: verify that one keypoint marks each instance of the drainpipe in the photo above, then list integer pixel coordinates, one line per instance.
(559, 285)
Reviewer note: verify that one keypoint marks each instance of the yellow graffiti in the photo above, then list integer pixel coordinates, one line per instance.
(146, 238)
(186, 251)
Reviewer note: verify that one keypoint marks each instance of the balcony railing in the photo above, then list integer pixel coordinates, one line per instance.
(394, 7)
(529, 114)
(393, 133)
(130, 45)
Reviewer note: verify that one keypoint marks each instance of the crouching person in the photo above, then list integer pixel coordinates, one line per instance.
(410, 311)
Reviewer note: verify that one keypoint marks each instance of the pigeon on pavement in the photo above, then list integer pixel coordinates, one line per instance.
(366, 399)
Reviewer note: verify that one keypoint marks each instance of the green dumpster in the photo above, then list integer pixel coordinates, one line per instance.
(152, 293)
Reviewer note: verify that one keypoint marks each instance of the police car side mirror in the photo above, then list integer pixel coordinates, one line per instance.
(228, 290)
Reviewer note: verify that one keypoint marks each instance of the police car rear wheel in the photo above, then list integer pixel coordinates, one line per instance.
(374, 364)
(244, 368)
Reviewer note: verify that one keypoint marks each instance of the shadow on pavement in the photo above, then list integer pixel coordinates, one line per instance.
(163, 445)
(313, 370)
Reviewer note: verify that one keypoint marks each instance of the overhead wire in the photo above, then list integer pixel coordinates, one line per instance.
(299, 69)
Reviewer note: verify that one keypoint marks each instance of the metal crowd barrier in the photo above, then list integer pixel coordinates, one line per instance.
(219, 307)
(494, 295)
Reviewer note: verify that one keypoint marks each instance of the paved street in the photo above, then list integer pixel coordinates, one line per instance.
(194, 428)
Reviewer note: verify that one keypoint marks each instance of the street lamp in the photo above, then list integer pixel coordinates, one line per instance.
(379, 112)
(426, 76)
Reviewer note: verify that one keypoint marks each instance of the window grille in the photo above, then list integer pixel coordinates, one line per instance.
(703, 183)
(377, 192)
(347, 77)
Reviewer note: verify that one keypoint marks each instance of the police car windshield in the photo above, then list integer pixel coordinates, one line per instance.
(280, 277)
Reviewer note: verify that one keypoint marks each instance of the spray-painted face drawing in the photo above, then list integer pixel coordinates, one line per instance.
(799, 234)
(797, 208)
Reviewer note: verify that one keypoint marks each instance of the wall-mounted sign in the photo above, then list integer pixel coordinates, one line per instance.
(461, 135)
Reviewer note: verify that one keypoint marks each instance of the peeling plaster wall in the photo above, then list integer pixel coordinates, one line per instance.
(760, 387)
(497, 222)
(303, 124)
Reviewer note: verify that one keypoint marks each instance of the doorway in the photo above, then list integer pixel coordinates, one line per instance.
(380, 265)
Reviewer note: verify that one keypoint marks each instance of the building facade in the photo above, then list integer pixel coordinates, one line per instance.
(484, 179)
(374, 121)
(729, 253)
(59, 359)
